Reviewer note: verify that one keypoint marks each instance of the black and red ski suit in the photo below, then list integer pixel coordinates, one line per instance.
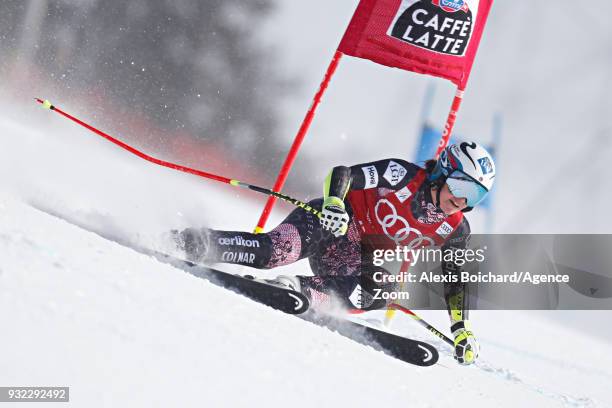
(387, 198)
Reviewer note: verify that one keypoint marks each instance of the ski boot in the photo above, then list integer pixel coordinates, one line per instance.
(193, 243)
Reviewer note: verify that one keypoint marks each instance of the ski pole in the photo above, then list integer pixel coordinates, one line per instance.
(48, 105)
(423, 323)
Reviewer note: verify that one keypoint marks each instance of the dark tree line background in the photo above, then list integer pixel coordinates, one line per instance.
(194, 65)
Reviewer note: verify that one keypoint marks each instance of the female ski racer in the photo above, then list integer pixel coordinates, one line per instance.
(399, 201)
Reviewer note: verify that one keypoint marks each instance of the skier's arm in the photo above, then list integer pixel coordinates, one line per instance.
(334, 217)
(457, 299)
(389, 173)
(337, 183)
(455, 294)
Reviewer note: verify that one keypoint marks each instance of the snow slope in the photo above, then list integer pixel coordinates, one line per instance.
(122, 329)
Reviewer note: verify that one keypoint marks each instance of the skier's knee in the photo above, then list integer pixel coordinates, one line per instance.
(286, 245)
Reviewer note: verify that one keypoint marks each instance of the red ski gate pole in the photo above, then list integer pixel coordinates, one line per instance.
(297, 142)
(450, 122)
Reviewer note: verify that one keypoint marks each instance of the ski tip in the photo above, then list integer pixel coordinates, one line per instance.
(430, 355)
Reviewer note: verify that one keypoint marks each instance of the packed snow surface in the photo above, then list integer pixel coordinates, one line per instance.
(122, 329)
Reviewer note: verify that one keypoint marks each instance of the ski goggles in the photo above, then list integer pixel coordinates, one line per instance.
(463, 186)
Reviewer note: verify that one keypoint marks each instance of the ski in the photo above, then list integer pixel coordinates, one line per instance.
(285, 300)
(288, 301)
(402, 348)
(279, 298)
(292, 302)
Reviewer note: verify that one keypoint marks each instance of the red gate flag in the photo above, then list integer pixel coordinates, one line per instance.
(434, 37)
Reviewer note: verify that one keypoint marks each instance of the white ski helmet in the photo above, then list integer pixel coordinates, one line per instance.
(468, 170)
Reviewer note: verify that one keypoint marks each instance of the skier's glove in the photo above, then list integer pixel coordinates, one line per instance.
(334, 217)
(466, 346)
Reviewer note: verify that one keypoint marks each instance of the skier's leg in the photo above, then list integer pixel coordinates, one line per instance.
(237, 247)
(291, 240)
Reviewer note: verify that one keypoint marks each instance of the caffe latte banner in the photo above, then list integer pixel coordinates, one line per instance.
(433, 37)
